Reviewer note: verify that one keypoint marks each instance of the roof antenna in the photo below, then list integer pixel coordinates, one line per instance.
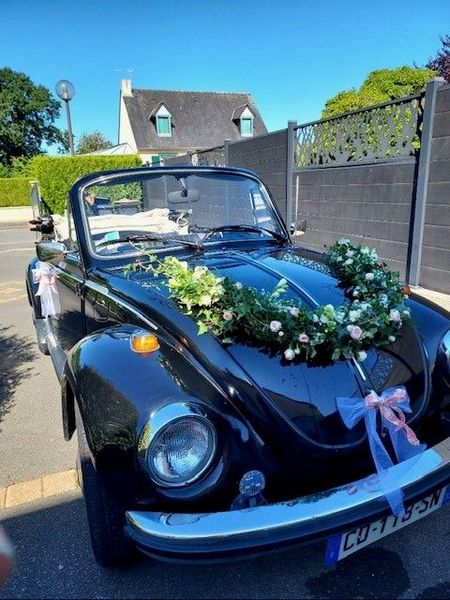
(128, 70)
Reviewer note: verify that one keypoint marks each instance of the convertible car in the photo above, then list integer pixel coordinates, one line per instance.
(232, 392)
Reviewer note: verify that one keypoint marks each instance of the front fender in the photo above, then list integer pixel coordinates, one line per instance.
(32, 289)
(117, 390)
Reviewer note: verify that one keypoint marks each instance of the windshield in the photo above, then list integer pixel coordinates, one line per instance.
(180, 208)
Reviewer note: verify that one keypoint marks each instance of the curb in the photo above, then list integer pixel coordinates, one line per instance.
(36, 489)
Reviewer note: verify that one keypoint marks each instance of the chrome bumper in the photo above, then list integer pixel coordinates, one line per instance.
(301, 519)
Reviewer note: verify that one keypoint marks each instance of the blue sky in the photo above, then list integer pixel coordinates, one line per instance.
(292, 55)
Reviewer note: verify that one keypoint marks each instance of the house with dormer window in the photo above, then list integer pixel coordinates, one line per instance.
(160, 124)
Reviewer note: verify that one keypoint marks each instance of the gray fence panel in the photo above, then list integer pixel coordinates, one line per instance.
(435, 271)
(266, 155)
(369, 204)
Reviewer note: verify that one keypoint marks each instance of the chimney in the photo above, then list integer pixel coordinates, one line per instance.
(125, 87)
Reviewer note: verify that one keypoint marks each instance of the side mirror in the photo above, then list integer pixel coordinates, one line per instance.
(53, 252)
(298, 228)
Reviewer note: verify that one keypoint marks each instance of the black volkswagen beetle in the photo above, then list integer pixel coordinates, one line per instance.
(208, 433)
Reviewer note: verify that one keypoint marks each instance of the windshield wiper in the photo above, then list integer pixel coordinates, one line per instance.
(151, 238)
(190, 243)
(251, 228)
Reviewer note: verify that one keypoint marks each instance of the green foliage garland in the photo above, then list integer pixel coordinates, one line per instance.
(231, 311)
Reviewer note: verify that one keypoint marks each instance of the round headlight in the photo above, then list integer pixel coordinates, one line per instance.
(181, 451)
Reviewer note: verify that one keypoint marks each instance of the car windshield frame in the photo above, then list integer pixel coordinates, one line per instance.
(118, 177)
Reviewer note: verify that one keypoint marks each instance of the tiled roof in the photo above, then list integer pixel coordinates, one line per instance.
(199, 119)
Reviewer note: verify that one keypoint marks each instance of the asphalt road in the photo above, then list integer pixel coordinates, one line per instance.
(31, 441)
(51, 538)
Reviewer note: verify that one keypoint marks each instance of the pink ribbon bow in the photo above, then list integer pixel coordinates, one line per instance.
(389, 410)
(392, 403)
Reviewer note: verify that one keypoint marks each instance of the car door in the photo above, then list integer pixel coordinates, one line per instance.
(69, 324)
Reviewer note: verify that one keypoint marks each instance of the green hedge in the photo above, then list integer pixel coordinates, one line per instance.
(57, 174)
(14, 191)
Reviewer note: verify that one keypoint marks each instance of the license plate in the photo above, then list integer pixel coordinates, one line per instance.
(343, 544)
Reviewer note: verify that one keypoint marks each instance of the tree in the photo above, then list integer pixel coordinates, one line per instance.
(90, 142)
(379, 86)
(441, 62)
(27, 116)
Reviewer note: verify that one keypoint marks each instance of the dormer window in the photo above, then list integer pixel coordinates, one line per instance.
(163, 122)
(246, 123)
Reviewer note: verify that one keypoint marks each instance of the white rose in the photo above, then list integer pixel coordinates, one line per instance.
(391, 338)
(369, 277)
(289, 354)
(281, 333)
(356, 332)
(361, 356)
(354, 315)
(238, 285)
(324, 319)
(315, 318)
(227, 315)
(294, 311)
(349, 261)
(275, 326)
(184, 265)
(349, 253)
(394, 315)
(206, 300)
(304, 338)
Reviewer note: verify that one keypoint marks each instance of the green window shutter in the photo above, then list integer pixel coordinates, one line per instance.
(246, 126)
(163, 125)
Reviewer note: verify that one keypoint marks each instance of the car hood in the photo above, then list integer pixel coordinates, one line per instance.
(298, 400)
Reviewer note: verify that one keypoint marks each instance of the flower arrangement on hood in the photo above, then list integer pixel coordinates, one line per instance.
(231, 311)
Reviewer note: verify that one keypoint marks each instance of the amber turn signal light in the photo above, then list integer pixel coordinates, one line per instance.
(144, 342)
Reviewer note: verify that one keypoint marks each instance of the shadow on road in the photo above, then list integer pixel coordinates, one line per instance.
(54, 560)
(16, 354)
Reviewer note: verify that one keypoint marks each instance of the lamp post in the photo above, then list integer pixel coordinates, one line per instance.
(66, 92)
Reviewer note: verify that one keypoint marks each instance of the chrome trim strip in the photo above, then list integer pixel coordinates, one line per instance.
(103, 290)
(69, 274)
(294, 518)
(96, 287)
(360, 370)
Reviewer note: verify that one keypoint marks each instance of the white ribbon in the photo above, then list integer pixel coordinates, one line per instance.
(45, 275)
